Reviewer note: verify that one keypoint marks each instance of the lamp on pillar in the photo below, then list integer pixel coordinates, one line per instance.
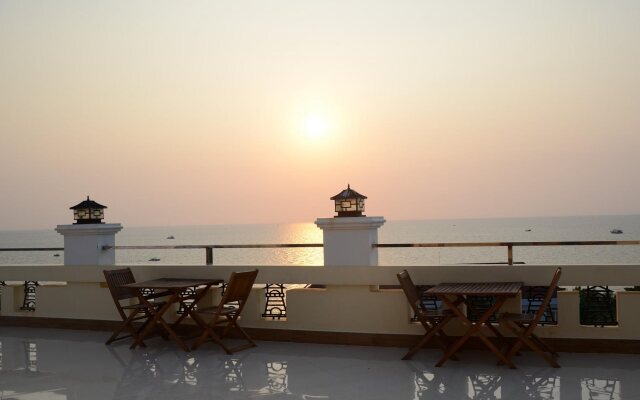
(88, 212)
(89, 241)
(349, 203)
(349, 237)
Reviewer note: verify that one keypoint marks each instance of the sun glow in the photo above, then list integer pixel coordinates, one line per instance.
(315, 126)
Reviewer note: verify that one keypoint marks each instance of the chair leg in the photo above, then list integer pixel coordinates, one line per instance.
(246, 336)
(523, 338)
(515, 347)
(200, 340)
(444, 344)
(445, 341)
(426, 338)
(126, 324)
(115, 334)
(208, 331)
(114, 337)
(544, 345)
(540, 352)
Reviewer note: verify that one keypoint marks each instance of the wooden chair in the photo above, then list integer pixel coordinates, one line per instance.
(523, 325)
(432, 320)
(129, 313)
(226, 313)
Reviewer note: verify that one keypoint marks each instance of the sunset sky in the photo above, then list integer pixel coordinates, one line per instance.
(217, 112)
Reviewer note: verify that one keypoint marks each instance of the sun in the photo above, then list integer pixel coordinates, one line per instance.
(315, 126)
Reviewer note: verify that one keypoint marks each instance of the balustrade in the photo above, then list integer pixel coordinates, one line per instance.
(350, 300)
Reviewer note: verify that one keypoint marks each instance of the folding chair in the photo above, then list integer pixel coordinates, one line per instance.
(226, 313)
(432, 320)
(129, 313)
(523, 325)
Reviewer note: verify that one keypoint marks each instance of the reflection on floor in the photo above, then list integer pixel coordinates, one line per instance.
(64, 364)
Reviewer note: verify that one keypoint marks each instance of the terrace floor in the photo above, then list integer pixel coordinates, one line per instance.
(66, 364)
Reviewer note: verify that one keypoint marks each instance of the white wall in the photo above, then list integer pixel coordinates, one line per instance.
(351, 302)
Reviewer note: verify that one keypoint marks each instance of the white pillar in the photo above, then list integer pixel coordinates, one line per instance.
(83, 243)
(349, 240)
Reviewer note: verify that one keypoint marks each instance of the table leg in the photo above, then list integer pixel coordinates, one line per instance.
(157, 318)
(484, 321)
(473, 328)
(453, 306)
(152, 321)
(431, 331)
(188, 309)
(488, 324)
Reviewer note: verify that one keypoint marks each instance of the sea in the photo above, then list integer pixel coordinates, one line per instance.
(582, 228)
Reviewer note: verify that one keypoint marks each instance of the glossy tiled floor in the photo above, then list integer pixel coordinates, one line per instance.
(59, 364)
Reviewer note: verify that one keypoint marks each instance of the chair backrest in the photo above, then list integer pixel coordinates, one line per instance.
(115, 279)
(409, 290)
(239, 287)
(547, 297)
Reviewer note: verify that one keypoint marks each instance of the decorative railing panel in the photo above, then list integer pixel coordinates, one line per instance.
(189, 292)
(532, 298)
(426, 302)
(478, 305)
(29, 302)
(275, 305)
(597, 306)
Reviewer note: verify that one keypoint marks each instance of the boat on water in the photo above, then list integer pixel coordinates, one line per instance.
(154, 259)
(171, 237)
(616, 231)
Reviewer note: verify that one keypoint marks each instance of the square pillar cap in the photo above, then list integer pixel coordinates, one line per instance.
(88, 229)
(350, 223)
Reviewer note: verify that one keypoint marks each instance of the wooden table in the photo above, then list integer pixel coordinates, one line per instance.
(500, 291)
(179, 295)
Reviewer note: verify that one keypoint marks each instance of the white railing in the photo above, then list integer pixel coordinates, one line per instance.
(351, 301)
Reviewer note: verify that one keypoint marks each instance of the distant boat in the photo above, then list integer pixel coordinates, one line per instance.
(616, 231)
(56, 255)
(154, 259)
(527, 230)
(171, 237)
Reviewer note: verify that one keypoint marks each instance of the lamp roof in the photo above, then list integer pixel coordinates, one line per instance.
(348, 193)
(87, 204)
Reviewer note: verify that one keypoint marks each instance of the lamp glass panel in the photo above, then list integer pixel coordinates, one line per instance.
(96, 213)
(349, 205)
(83, 214)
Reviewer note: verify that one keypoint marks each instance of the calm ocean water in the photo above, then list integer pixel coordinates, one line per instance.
(467, 230)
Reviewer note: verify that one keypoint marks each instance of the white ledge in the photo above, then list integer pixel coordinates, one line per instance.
(88, 229)
(350, 223)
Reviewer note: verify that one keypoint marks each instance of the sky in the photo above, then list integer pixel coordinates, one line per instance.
(223, 112)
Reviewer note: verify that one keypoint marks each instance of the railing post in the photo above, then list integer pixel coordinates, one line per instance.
(89, 244)
(209, 251)
(350, 240)
(510, 254)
